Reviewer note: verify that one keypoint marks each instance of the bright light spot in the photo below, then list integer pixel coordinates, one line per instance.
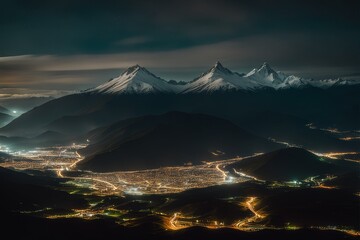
(14, 111)
(133, 191)
(230, 179)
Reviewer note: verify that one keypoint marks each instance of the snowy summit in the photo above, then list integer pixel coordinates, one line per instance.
(135, 79)
(219, 78)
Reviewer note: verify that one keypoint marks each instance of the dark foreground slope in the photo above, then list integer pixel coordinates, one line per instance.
(350, 181)
(36, 228)
(22, 192)
(304, 207)
(288, 164)
(170, 139)
(23, 196)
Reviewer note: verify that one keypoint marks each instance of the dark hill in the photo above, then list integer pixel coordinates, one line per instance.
(286, 164)
(170, 139)
(36, 121)
(79, 113)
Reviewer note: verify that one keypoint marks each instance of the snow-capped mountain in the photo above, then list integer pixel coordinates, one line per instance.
(219, 78)
(291, 81)
(138, 80)
(135, 79)
(266, 76)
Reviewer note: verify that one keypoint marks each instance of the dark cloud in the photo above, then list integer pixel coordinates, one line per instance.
(70, 40)
(70, 26)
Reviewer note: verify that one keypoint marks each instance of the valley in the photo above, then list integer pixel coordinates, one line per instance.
(165, 192)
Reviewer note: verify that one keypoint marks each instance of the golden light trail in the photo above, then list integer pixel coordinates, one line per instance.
(336, 155)
(173, 221)
(325, 187)
(251, 207)
(73, 165)
(59, 173)
(247, 176)
(77, 161)
(250, 204)
(223, 173)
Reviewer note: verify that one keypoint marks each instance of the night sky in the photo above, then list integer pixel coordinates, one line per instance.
(73, 45)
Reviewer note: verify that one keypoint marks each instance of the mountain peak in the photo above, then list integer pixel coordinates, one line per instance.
(135, 79)
(218, 67)
(218, 64)
(265, 67)
(134, 69)
(265, 64)
(219, 78)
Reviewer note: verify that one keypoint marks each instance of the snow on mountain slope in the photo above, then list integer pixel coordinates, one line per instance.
(219, 78)
(292, 81)
(138, 80)
(135, 79)
(265, 75)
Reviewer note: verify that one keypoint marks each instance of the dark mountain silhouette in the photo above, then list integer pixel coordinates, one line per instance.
(294, 130)
(288, 164)
(77, 114)
(138, 92)
(170, 139)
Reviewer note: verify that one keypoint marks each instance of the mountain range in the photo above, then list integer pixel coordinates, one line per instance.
(137, 79)
(219, 92)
